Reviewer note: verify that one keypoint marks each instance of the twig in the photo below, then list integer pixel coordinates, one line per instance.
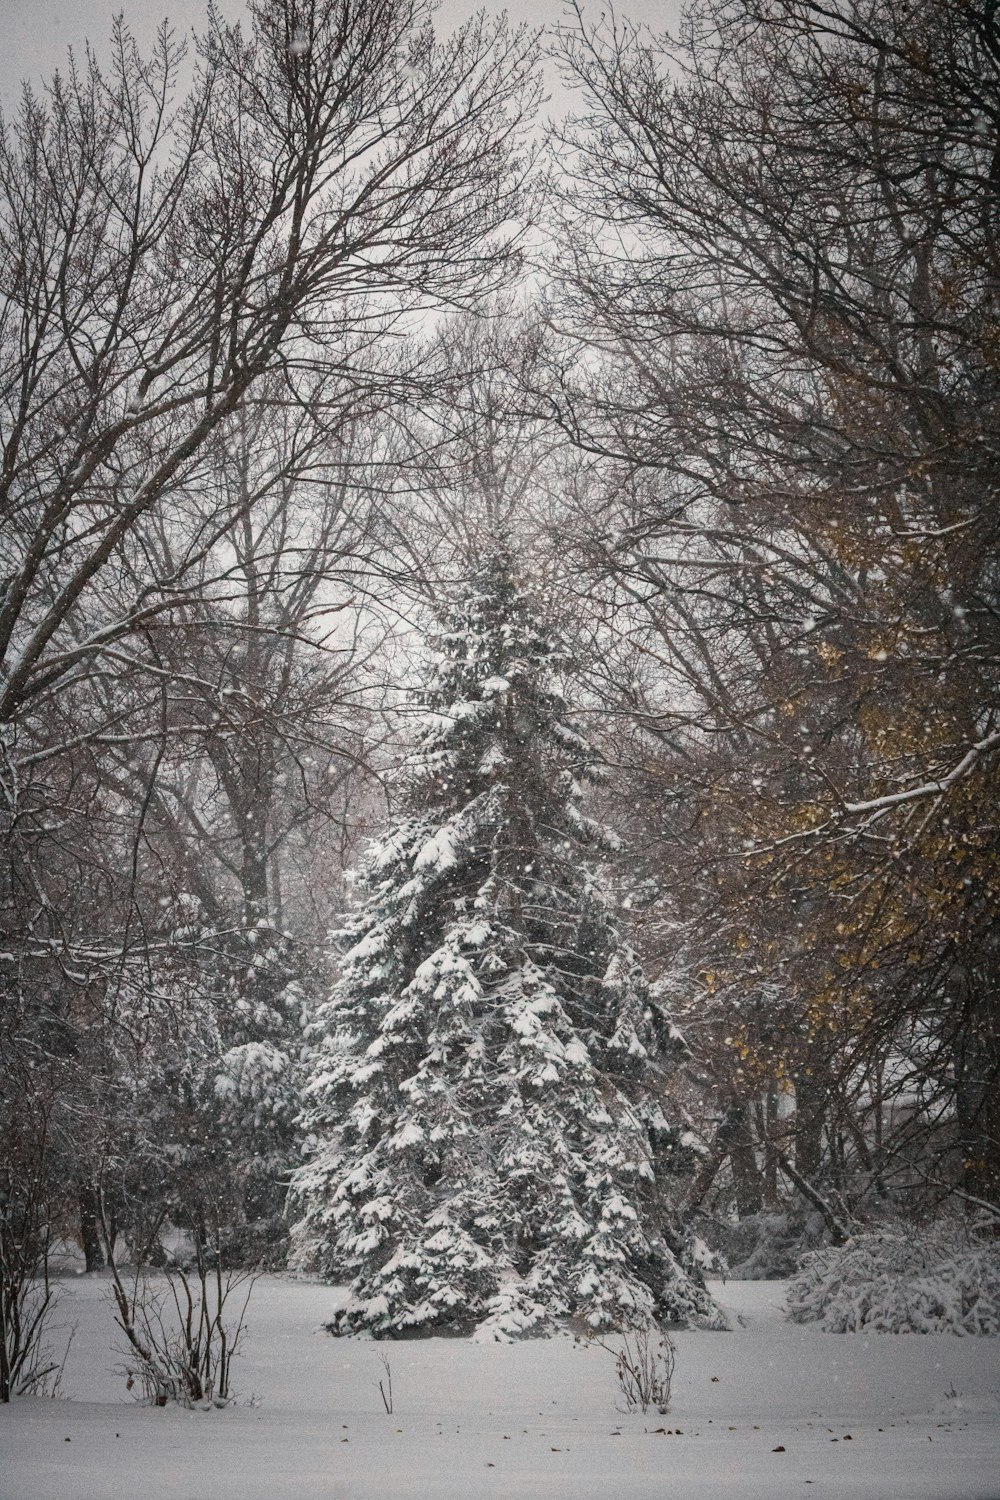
(386, 1398)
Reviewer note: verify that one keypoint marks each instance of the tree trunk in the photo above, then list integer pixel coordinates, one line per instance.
(746, 1173)
(768, 1131)
(809, 1115)
(90, 1229)
(977, 1082)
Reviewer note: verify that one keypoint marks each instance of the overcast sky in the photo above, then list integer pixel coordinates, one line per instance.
(34, 34)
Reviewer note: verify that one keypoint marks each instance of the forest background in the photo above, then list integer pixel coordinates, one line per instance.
(288, 341)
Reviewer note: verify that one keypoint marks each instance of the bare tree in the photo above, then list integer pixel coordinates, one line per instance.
(208, 304)
(779, 300)
(330, 173)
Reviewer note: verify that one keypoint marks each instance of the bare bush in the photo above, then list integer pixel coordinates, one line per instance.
(181, 1336)
(26, 1304)
(27, 1298)
(644, 1367)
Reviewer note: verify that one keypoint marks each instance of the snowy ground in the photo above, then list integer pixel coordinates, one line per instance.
(769, 1411)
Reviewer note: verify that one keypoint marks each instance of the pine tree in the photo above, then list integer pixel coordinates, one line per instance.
(481, 1104)
(250, 1089)
(215, 1136)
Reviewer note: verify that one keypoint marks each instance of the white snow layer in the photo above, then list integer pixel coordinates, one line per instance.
(767, 1412)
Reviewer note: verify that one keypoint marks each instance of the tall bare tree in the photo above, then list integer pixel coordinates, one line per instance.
(780, 270)
(203, 295)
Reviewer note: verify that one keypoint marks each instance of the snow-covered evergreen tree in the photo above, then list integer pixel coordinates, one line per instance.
(482, 1110)
(223, 1095)
(252, 1086)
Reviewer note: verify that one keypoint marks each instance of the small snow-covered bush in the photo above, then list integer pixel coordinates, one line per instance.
(893, 1281)
(764, 1246)
(710, 1262)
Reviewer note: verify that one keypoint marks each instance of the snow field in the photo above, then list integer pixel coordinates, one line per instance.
(535, 1420)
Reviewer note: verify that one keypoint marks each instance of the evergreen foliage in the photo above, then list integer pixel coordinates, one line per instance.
(482, 1104)
(890, 1281)
(195, 1120)
(250, 1090)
